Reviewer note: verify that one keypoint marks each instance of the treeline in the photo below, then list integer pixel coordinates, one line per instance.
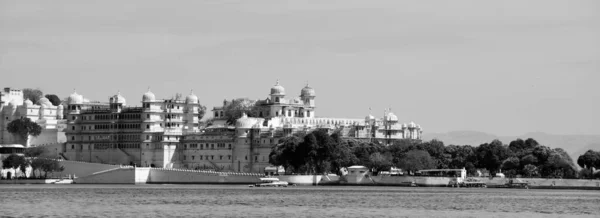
(34, 95)
(318, 153)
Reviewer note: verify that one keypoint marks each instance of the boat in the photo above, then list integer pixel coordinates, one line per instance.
(516, 183)
(472, 182)
(270, 182)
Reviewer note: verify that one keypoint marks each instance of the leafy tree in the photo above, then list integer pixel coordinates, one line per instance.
(33, 94)
(24, 127)
(530, 170)
(201, 112)
(529, 159)
(589, 159)
(492, 155)
(416, 160)
(33, 154)
(54, 99)
(379, 162)
(49, 166)
(236, 108)
(511, 165)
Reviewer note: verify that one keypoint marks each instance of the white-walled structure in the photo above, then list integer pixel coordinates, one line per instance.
(48, 116)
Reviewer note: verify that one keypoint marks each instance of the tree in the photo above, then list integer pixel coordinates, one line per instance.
(416, 160)
(34, 95)
(379, 162)
(511, 165)
(530, 170)
(236, 108)
(54, 99)
(24, 127)
(492, 155)
(201, 112)
(589, 159)
(49, 166)
(33, 154)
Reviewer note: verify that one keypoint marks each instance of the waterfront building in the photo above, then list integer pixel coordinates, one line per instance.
(13, 106)
(246, 145)
(114, 133)
(166, 133)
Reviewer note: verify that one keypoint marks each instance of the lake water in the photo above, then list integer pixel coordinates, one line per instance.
(305, 201)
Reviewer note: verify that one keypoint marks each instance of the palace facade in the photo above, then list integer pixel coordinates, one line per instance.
(245, 146)
(166, 133)
(114, 133)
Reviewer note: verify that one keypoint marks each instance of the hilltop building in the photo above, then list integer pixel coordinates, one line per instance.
(48, 116)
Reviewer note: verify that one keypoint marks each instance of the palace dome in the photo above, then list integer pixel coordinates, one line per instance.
(75, 98)
(118, 98)
(307, 91)
(148, 96)
(277, 89)
(412, 125)
(191, 99)
(244, 122)
(369, 117)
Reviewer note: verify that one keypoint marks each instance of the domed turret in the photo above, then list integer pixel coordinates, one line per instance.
(369, 118)
(28, 103)
(118, 99)
(307, 91)
(391, 117)
(412, 125)
(75, 99)
(148, 96)
(277, 89)
(191, 99)
(244, 122)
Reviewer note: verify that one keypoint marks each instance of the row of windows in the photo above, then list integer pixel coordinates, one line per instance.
(113, 117)
(111, 126)
(212, 146)
(111, 146)
(206, 157)
(120, 137)
(212, 157)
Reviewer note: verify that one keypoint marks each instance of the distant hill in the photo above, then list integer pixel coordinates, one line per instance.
(575, 145)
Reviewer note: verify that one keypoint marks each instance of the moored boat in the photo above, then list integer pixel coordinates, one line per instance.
(270, 182)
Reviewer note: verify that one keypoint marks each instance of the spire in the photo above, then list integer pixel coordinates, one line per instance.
(277, 82)
(191, 91)
(148, 88)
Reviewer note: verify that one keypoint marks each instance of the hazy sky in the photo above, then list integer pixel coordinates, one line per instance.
(505, 67)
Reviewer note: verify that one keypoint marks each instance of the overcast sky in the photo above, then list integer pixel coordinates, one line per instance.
(505, 67)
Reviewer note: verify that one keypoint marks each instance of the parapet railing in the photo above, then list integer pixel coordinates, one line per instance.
(210, 172)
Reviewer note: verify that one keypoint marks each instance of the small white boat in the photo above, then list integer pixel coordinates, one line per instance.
(270, 182)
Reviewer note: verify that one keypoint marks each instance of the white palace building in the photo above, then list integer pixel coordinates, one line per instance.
(166, 132)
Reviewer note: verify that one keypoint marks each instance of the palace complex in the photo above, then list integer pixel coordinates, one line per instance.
(167, 132)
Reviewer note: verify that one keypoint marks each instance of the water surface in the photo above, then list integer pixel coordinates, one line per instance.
(302, 201)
